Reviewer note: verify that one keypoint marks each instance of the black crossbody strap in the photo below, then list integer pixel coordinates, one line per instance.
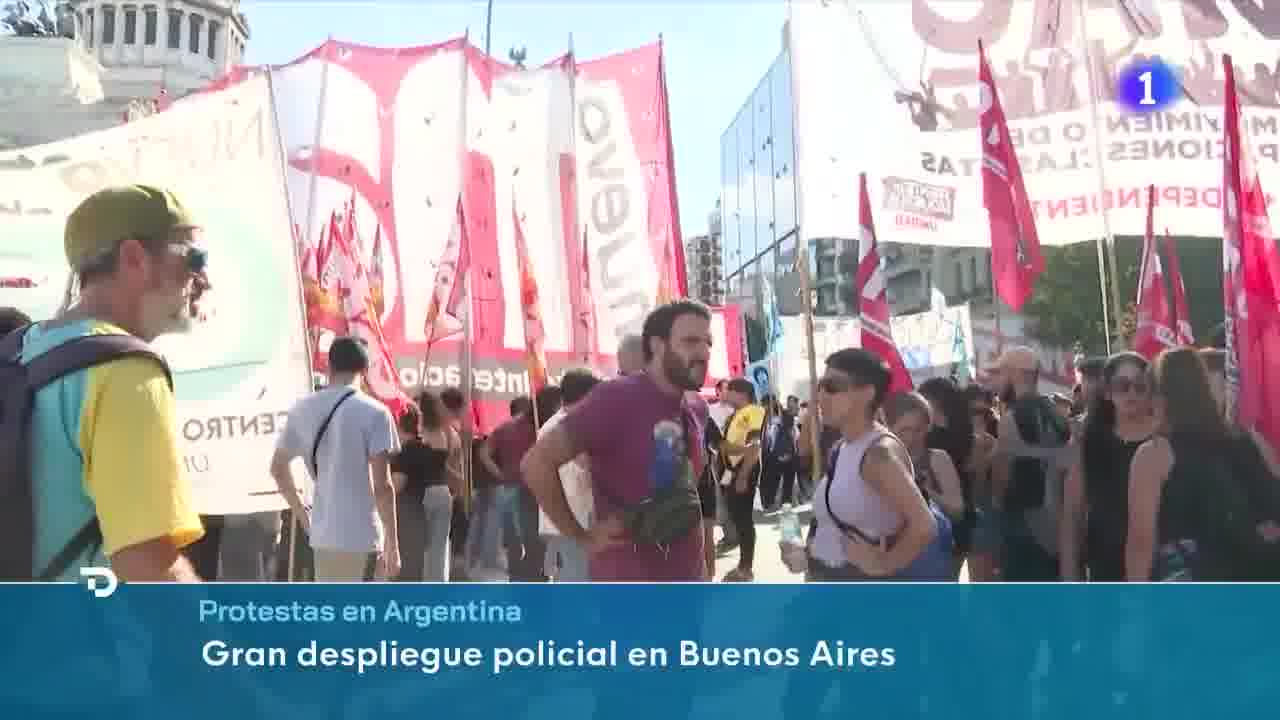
(315, 447)
(844, 527)
(88, 538)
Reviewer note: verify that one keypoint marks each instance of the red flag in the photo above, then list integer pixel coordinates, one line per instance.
(376, 289)
(447, 292)
(877, 333)
(1250, 281)
(1016, 259)
(533, 330)
(1181, 318)
(588, 310)
(668, 280)
(1154, 331)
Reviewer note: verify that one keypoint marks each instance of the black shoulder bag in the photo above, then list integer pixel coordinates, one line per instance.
(315, 447)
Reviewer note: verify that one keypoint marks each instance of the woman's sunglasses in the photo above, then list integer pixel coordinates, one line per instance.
(1124, 385)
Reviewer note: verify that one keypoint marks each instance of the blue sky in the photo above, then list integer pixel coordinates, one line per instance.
(716, 53)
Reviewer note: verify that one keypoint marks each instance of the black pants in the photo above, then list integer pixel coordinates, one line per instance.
(741, 510)
(411, 523)
(529, 566)
(205, 552)
(779, 475)
(304, 565)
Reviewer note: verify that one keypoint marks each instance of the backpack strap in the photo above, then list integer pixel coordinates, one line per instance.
(86, 352)
(89, 537)
(11, 344)
(315, 447)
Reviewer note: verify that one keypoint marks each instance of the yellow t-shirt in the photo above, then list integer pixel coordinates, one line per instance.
(749, 419)
(105, 441)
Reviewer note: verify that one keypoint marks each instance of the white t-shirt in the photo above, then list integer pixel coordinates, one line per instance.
(343, 514)
(576, 481)
(720, 413)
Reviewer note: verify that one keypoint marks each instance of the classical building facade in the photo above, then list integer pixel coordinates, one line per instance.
(122, 58)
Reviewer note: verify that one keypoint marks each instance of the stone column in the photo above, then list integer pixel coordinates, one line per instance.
(163, 29)
(98, 24)
(139, 27)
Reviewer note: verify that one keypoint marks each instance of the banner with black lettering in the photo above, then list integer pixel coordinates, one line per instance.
(891, 89)
(237, 373)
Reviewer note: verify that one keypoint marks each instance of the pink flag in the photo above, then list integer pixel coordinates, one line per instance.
(447, 292)
(1250, 281)
(1154, 322)
(1181, 318)
(1016, 259)
(356, 296)
(877, 333)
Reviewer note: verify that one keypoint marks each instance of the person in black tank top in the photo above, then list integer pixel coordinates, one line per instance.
(421, 471)
(1095, 512)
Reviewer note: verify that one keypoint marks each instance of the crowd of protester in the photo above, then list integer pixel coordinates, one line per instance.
(1139, 476)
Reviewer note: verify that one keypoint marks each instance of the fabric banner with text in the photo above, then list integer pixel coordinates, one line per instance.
(905, 112)
(238, 373)
(410, 130)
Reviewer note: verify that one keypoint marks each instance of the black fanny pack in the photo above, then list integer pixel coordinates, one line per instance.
(664, 517)
(669, 513)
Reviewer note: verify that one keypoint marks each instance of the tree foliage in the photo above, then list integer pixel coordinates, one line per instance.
(1066, 308)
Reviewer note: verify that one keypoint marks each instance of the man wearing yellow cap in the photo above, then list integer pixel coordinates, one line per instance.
(1027, 469)
(104, 440)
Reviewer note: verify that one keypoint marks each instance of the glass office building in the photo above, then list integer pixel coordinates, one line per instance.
(758, 208)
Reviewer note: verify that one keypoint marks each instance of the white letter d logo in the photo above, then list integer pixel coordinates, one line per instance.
(94, 574)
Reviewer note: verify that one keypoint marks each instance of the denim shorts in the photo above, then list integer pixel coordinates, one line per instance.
(987, 535)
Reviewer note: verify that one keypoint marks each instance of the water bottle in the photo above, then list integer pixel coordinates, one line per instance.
(789, 525)
(668, 454)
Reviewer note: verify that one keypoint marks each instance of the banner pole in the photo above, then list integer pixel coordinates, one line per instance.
(806, 303)
(802, 264)
(302, 300)
(468, 437)
(1108, 238)
(311, 211)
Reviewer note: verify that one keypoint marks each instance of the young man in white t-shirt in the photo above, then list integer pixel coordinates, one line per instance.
(351, 519)
(566, 559)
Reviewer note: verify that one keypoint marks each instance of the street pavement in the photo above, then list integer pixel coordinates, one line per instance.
(769, 567)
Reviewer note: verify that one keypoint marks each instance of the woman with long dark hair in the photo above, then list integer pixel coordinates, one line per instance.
(426, 477)
(1201, 499)
(952, 431)
(1095, 508)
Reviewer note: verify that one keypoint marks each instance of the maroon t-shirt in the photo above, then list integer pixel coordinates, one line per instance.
(509, 442)
(614, 426)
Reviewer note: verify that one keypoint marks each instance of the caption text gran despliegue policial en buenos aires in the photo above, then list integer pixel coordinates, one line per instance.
(543, 654)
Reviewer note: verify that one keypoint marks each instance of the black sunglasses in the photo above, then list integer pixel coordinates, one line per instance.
(832, 386)
(1124, 385)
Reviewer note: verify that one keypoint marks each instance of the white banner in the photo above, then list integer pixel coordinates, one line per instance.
(936, 343)
(236, 375)
(792, 365)
(890, 88)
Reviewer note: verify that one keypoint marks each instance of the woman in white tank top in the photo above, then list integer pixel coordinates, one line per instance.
(871, 522)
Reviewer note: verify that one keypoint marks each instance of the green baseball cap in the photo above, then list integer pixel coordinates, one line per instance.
(107, 217)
